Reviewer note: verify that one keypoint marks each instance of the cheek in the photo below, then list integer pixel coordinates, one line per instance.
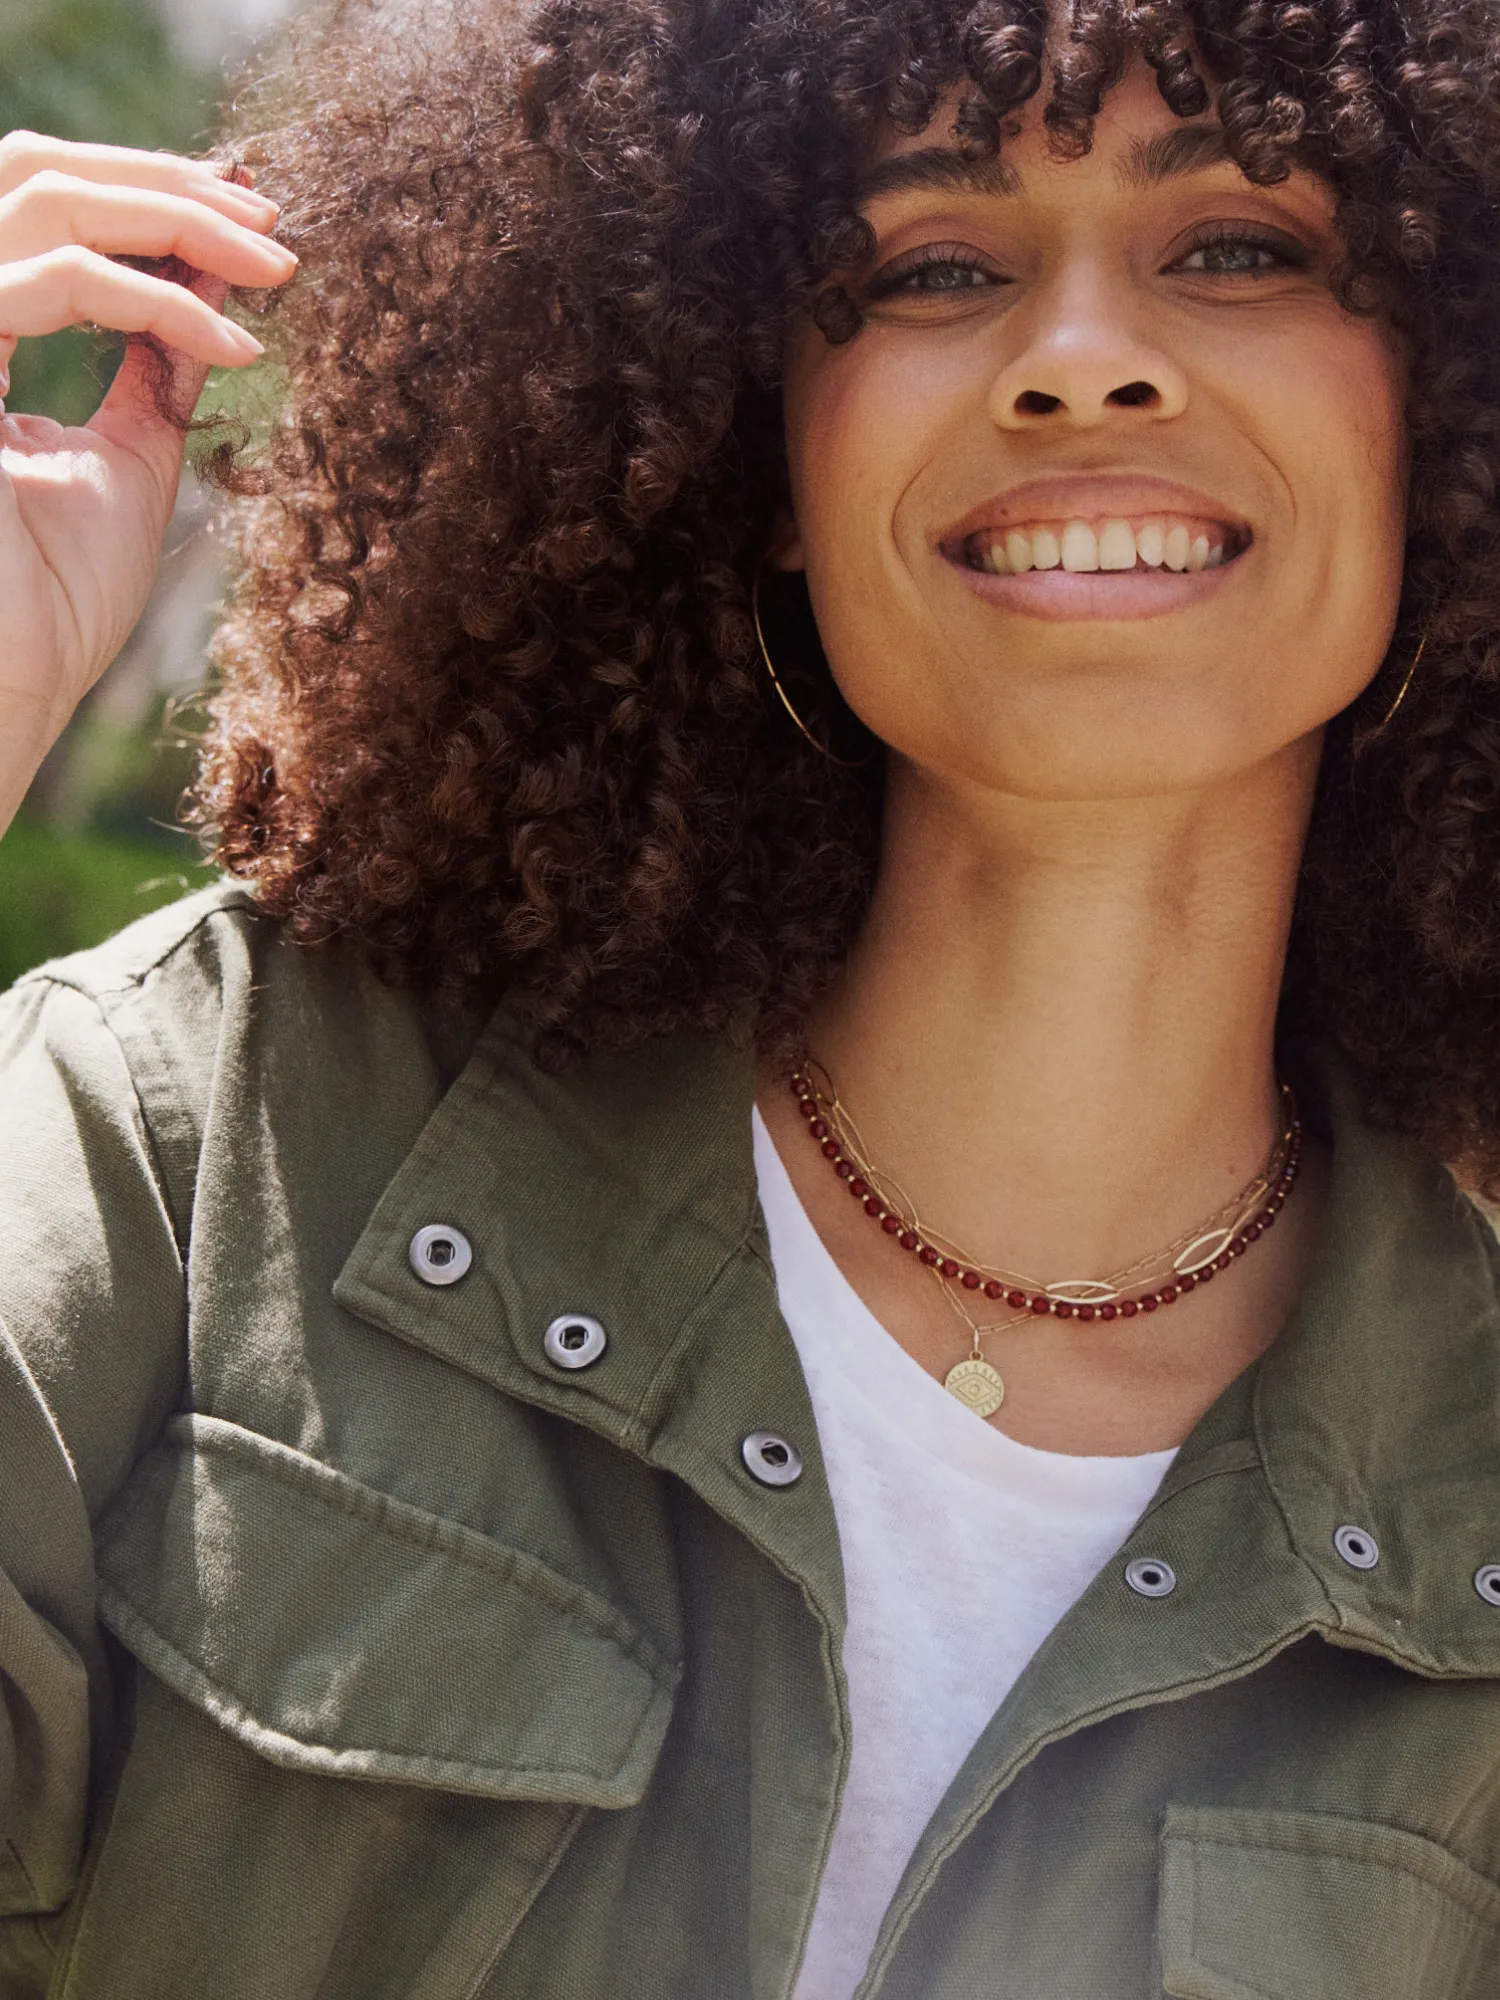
(1332, 414)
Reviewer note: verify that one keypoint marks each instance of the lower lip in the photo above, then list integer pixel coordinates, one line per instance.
(1100, 594)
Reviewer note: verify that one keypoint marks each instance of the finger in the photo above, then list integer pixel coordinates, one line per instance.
(74, 287)
(53, 209)
(135, 414)
(24, 154)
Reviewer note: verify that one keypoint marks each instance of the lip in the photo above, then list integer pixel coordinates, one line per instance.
(1090, 496)
(1114, 596)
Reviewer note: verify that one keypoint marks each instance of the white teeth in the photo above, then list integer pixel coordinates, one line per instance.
(1080, 547)
(1116, 545)
(1046, 552)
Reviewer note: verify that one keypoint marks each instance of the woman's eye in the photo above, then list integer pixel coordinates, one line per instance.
(931, 274)
(1238, 257)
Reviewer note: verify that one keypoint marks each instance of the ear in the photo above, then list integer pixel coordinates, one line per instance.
(785, 550)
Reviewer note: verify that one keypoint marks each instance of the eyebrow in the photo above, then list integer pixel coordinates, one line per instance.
(1189, 149)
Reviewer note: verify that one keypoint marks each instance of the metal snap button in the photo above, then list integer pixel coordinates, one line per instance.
(574, 1341)
(1149, 1576)
(1487, 1582)
(1357, 1546)
(771, 1460)
(440, 1254)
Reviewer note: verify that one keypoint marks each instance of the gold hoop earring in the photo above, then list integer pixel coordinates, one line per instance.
(1365, 737)
(843, 763)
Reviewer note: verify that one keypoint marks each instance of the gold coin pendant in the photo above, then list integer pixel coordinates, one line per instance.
(976, 1385)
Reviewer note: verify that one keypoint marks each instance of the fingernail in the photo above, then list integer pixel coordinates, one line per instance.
(244, 343)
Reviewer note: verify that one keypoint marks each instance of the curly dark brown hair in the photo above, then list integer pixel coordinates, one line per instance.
(490, 703)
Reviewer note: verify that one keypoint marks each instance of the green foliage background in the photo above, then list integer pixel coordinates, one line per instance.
(106, 71)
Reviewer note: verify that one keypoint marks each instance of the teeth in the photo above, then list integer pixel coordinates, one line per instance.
(1080, 547)
(1117, 545)
(1150, 540)
(1046, 551)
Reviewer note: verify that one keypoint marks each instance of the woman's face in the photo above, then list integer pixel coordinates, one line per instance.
(1107, 495)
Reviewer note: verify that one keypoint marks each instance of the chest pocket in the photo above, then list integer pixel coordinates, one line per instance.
(337, 1631)
(1308, 1906)
(365, 1737)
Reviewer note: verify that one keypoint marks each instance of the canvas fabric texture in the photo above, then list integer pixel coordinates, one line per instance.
(350, 1650)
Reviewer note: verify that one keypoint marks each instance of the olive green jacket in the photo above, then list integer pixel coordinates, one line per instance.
(351, 1646)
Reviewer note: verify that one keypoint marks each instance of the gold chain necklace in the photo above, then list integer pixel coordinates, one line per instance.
(1190, 1260)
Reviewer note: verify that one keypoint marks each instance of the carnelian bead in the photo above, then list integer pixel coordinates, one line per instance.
(1061, 1309)
(991, 1289)
(844, 1169)
(928, 1255)
(891, 1224)
(1149, 1303)
(970, 1280)
(859, 1187)
(819, 1128)
(874, 1205)
(1128, 1308)
(1187, 1281)
(1109, 1312)
(1205, 1274)
(1167, 1295)
(909, 1240)
(830, 1149)
(1085, 1312)
(1017, 1300)
(948, 1268)
(1039, 1303)
(808, 1108)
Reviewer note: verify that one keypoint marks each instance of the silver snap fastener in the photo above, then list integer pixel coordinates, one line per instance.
(1149, 1576)
(1357, 1546)
(771, 1460)
(1487, 1582)
(574, 1341)
(440, 1254)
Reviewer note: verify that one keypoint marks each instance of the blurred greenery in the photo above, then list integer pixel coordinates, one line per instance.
(95, 848)
(99, 70)
(60, 891)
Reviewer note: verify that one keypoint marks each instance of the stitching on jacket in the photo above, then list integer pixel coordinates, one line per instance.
(338, 1492)
(232, 1711)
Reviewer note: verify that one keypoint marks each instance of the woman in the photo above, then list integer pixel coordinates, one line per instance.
(488, 1513)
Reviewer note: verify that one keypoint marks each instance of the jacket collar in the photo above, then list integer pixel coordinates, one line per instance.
(626, 1190)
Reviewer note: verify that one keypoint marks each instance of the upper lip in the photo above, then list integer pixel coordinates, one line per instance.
(1094, 496)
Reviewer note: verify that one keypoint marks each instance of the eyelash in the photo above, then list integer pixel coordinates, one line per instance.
(898, 276)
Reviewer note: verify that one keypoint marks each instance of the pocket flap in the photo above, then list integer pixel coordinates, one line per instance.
(1310, 1906)
(336, 1630)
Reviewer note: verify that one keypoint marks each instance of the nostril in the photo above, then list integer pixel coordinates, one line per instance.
(1033, 403)
(1133, 395)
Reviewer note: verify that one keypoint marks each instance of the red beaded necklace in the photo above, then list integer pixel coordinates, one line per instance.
(1192, 1260)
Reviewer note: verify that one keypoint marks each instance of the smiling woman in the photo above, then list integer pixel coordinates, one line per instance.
(778, 1301)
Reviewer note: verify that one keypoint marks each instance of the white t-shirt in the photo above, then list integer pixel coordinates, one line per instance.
(962, 1549)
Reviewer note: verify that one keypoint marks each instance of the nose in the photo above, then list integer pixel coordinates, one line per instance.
(1082, 365)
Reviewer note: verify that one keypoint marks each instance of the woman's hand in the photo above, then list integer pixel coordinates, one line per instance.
(83, 512)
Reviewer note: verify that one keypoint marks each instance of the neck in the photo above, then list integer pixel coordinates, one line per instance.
(1056, 1028)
